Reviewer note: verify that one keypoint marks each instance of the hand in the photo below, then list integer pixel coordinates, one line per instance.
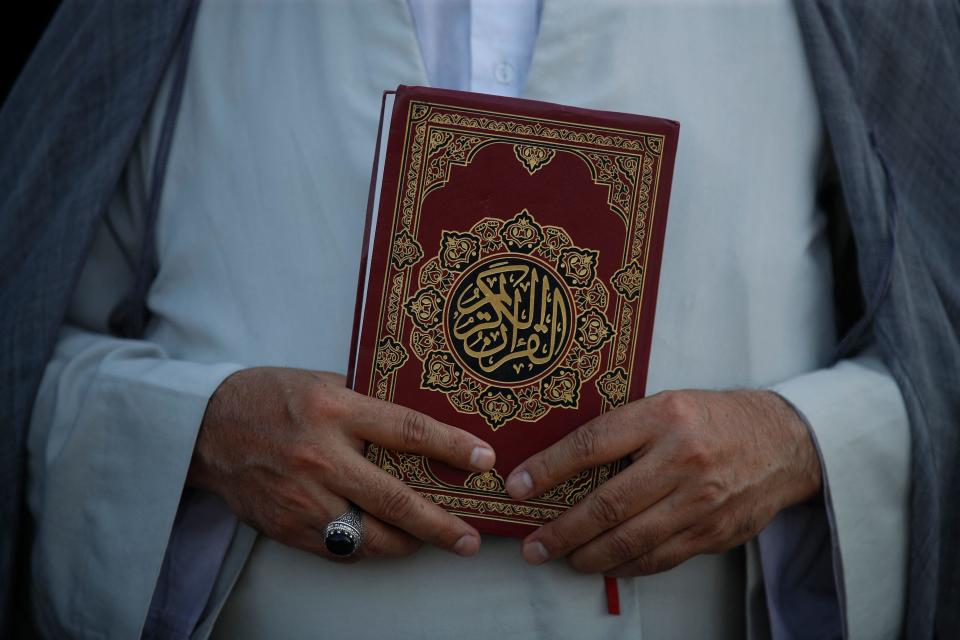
(709, 471)
(284, 449)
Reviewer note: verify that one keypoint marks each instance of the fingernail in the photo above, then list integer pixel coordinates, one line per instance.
(467, 545)
(482, 458)
(535, 553)
(519, 484)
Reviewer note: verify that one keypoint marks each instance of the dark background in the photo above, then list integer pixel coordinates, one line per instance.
(22, 25)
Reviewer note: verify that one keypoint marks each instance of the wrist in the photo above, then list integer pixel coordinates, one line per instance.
(800, 460)
(222, 408)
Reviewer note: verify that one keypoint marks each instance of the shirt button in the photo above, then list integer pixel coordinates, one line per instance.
(503, 72)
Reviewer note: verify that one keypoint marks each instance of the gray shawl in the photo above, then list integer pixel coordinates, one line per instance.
(888, 78)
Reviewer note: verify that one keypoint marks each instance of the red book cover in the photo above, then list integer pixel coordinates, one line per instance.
(508, 282)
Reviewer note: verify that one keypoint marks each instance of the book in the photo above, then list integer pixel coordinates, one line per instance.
(508, 282)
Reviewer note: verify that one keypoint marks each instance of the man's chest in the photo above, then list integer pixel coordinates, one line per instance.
(270, 171)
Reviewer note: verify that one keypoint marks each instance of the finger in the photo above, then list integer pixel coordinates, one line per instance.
(671, 553)
(381, 540)
(403, 429)
(603, 439)
(306, 522)
(383, 496)
(634, 538)
(298, 530)
(627, 494)
(312, 540)
(306, 530)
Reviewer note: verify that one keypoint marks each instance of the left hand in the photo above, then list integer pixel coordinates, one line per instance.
(710, 470)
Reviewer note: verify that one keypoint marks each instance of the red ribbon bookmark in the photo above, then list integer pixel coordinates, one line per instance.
(613, 595)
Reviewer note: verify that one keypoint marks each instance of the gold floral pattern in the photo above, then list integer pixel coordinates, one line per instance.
(464, 399)
(596, 296)
(390, 355)
(493, 509)
(487, 231)
(561, 388)
(457, 250)
(555, 240)
(578, 266)
(623, 337)
(497, 406)
(425, 307)
(404, 466)
(446, 149)
(434, 275)
(531, 405)
(613, 386)
(643, 208)
(593, 330)
(572, 490)
(423, 341)
(583, 362)
(533, 157)
(406, 250)
(393, 305)
(440, 372)
(619, 174)
(381, 388)
(522, 233)
(638, 142)
(628, 280)
(488, 481)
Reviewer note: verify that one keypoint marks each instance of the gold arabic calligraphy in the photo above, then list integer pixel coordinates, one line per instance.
(510, 319)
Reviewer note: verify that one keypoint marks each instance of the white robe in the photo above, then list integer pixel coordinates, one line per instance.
(258, 245)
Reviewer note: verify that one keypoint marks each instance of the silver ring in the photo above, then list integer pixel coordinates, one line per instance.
(344, 535)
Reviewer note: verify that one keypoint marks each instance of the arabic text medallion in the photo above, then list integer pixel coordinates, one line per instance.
(509, 320)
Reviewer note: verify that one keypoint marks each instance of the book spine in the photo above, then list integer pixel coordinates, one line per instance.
(361, 289)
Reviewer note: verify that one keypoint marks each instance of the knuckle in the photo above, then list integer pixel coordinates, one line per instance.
(711, 494)
(447, 532)
(607, 508)
(373, 542)
(695, 452)
(324, 469)
(669, 560)
(413, 429)
(279, 526)
(652, 563)
(581, 563)
(542, 472)
(328, 407)
(664, 562)
(676, 407)
(746, 528)
(303, 458)
(585, 443)
(401, 547)
(714, 530)
(622, 546)
(652, 534)
(328, 404)
(396, 504)
(644, 565)
(296, 498)
(556, 540)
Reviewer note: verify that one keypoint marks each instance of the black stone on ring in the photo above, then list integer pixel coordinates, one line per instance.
(344, 535)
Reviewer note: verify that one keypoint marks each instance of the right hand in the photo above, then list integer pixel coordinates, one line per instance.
(284, 449)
